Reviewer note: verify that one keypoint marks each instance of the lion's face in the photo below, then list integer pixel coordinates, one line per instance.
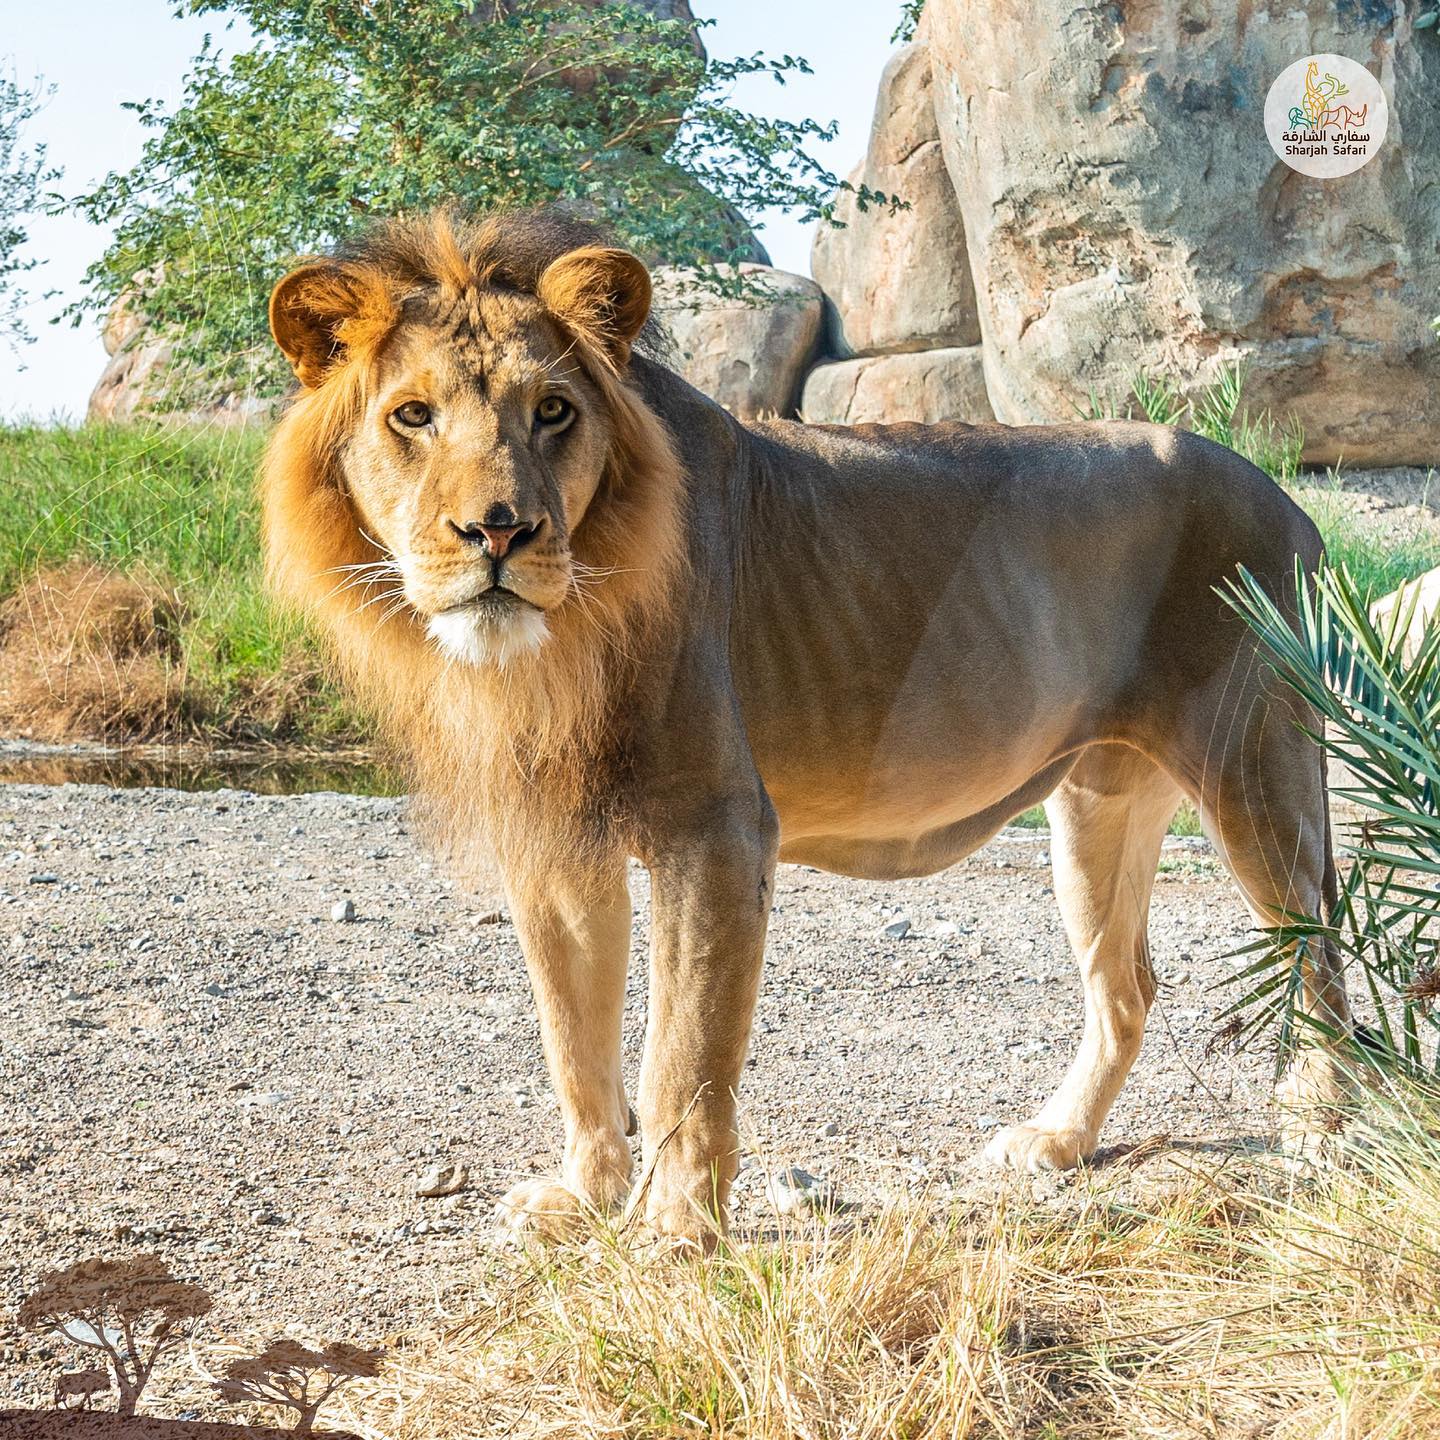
(481, 435)
(479, 452)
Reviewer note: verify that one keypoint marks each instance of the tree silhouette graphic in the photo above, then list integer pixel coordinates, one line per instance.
(131, 1311)
(287, 1373)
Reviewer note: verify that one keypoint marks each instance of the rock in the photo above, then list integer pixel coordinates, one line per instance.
(1124, 212)
(927, 386)
(899, 282)
(442, 1178)
(129, 385)
(750, 355)
(1423, 594)
(342, 912)
(265, 1098)
(898, 928)
(796, 1191)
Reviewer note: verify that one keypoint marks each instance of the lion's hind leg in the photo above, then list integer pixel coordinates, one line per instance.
(1108, 819)
(1263, 805)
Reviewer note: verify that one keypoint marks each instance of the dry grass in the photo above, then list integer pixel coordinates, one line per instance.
(86, 652)
(1249, 1301)
(90, 653)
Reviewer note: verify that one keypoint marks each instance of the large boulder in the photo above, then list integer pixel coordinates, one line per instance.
(750, 352)
(130, 378)
(927, 385)
(899, 281)
(1124, 211)
(132, 384)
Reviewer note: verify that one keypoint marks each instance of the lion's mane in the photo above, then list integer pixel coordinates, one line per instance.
(528, 761)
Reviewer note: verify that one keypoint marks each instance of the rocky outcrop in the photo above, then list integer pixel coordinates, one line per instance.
(749, 352)
(131, 386)
(1124, 211)
(927, 385)
(131, 376)
(899, 281)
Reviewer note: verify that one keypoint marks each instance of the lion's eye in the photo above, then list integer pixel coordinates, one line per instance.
(553, 410)
(413, 414)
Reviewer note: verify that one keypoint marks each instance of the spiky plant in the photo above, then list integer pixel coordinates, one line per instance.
(1377, 691)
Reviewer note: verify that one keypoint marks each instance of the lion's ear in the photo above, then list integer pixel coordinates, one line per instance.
(320, 311)
(601, 292)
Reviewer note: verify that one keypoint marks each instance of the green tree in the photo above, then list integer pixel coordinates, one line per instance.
(342, 110)
(22, 173)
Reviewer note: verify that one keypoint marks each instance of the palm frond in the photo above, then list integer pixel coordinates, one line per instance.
(1379, 711)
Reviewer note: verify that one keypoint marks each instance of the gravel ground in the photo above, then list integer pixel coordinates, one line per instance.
(198, 1059)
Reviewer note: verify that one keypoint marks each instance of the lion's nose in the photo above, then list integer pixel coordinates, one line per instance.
(498, 539)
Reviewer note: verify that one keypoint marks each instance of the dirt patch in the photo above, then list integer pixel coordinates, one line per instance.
(203, 1062)
(98, 1425)
(88, 653)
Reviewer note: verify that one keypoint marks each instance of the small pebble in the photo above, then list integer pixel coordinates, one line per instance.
(342, 912)
(796, 1191)
(442, 1178)
(265, 1097)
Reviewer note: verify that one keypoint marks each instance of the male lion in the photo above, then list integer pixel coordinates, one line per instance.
(606, 620)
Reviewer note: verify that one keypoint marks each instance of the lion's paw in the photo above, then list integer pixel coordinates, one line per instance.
(1315, 1098)
(1031, 1149)
(539, 1210)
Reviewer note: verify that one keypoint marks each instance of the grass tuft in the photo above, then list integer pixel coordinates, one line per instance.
(1242, 1298)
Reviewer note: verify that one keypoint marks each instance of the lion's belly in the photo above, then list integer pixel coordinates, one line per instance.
(880, 832)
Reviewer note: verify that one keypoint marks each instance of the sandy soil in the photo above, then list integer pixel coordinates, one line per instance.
(197, 1059)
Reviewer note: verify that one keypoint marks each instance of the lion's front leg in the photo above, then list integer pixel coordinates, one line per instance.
(576, 940)
(711, 896)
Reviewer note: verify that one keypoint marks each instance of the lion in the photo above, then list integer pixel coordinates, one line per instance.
(607, 621)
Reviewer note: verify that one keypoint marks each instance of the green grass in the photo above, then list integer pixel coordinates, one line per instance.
(174, 504)
(1378, 568)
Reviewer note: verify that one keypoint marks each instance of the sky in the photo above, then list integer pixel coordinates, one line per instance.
(98, 53)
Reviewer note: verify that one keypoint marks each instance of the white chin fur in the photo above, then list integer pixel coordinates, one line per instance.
(478, 638)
